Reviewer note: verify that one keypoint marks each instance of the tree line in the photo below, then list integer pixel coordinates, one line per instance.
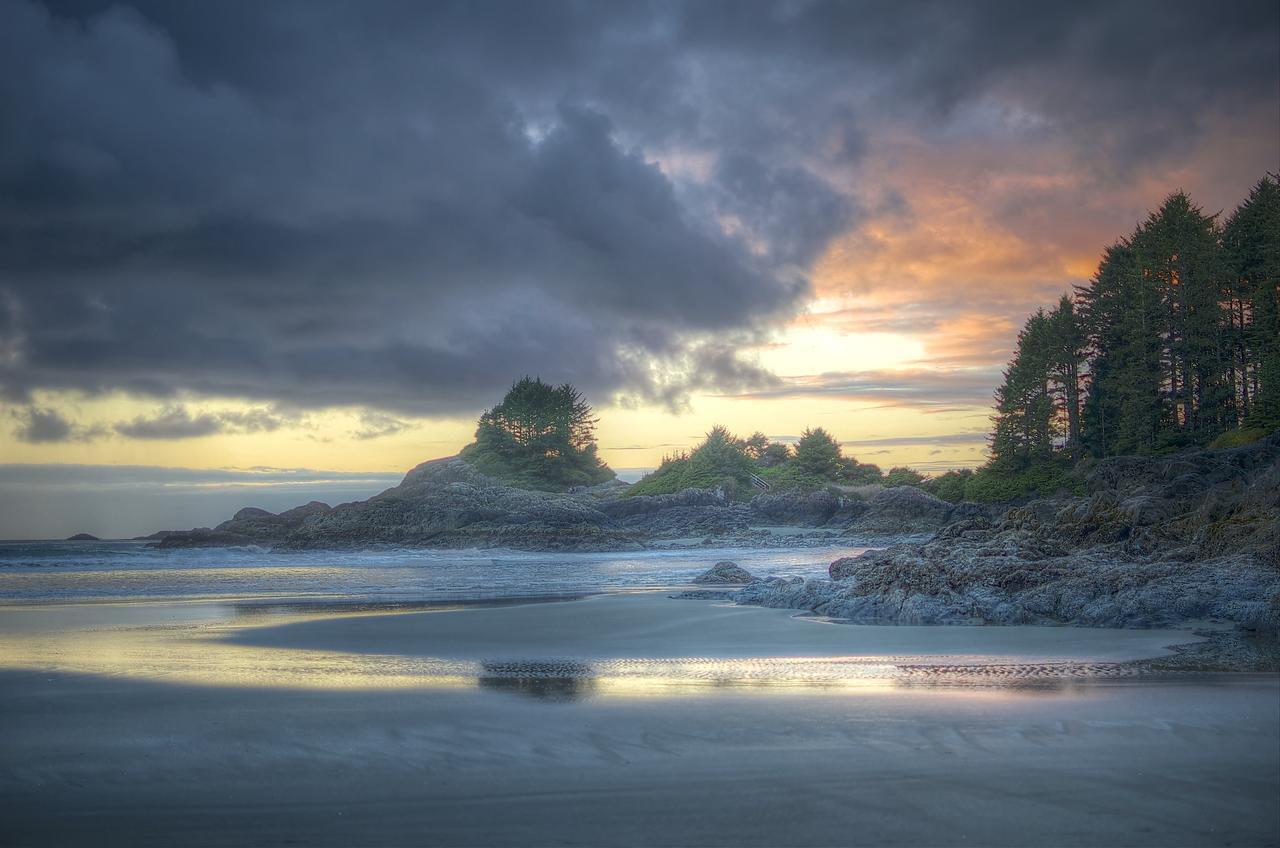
(1175, 341)
(723, 460)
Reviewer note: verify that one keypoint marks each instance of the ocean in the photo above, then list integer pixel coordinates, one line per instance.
(57, 571)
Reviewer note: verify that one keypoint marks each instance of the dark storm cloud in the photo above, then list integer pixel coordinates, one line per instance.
(177, 422)
(375, 425)
(42, 425)
(404, 206)
(173, 423)
(39, 425)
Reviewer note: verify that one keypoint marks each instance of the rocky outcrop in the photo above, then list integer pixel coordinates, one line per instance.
(724, 573)
(1154, 542)
(822, 508)
(83, 537)
(903, 510)
(447, 503)
(690, 514)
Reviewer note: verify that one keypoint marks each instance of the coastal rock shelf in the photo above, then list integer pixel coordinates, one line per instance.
(1155, 542)
(447, 503)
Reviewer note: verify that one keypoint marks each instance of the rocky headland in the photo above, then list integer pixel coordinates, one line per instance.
(447, 503)
(1153, 542)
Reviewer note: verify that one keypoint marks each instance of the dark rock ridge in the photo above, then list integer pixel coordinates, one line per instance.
(1154, 542)
(447, 503)
(83, 537)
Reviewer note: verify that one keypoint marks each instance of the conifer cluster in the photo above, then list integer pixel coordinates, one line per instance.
(1174, 342)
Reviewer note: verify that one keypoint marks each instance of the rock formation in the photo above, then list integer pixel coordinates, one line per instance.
(724, 573)
(447, 503)
(1155, 541)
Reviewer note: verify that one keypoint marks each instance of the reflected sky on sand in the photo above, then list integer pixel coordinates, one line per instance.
(267, 646)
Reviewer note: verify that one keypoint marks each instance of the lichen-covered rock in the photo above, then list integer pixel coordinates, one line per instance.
(724, 572)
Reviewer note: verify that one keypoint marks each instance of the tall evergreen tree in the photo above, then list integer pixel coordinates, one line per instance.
(1066, 356)
(1251, 246)
(1175, 340)
(1025, 424)
(1121, 314)
(1179, 254)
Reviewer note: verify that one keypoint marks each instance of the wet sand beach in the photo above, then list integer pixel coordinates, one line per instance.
(627, 719)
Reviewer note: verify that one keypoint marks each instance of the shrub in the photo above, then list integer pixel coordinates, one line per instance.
(996, 484)
(949, 486)
(720, 461)
(902, 476)
(1239, 438)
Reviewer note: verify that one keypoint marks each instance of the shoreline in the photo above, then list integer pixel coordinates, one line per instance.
(616, 719)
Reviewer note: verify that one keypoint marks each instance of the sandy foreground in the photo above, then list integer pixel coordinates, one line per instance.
(614, 720)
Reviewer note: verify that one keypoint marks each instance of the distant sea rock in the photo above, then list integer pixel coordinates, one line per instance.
(1155, 542)
(83, 537)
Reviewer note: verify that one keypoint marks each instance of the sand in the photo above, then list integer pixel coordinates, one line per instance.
(619, 720)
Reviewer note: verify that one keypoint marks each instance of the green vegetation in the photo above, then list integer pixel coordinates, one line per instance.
(724, 460)
(902, 476)
(1175, 342)
(1177, 337)
(949, 486)
(721, 460)
(1038, 480)
(539, 437)
(1239, 438)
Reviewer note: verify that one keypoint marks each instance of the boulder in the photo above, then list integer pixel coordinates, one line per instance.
(843, 568)
(725, 572)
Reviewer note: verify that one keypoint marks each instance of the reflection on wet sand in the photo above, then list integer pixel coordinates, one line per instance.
(544, 681)
(259, 610)
(195, 650)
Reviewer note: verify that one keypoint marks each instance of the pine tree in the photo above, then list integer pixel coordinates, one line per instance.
(1025, 424)
(539, 435)
(1121, 316)
(1066, 356)
(817, 454)
(1179, 254)
(1251, 247)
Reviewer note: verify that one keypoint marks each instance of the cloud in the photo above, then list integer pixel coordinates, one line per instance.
(208, 244)
(375, 425)
(928, 389)
(177, 422)
(42, 425)
(89, 476)
(403, 206)
(904, 441)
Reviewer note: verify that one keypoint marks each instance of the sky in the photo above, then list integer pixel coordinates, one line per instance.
(264, 252)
